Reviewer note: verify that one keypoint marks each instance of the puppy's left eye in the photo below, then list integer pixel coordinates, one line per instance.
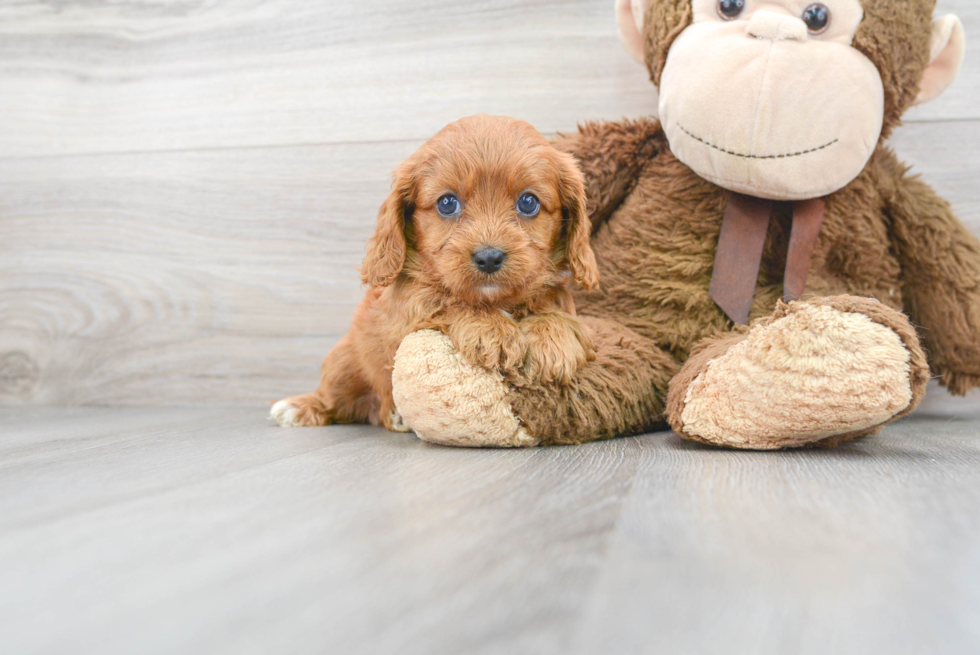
(528, 205)
(448, 206)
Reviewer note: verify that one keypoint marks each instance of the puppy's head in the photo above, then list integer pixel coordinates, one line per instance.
(487, 209)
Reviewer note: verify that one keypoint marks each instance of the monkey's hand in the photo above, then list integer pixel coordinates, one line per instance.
(956, 354)
(558, 345)
(940, 262)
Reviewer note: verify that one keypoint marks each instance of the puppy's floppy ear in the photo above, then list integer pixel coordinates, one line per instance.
(577, 228)
(387, 248)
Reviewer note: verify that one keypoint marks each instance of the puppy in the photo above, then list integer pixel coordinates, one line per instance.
(484, 227)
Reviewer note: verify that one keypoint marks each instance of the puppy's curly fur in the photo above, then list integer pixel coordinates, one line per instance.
(421, 271)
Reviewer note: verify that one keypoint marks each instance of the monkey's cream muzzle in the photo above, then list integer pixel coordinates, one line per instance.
(763, 108)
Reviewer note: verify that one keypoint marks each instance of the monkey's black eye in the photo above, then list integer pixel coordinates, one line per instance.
(448, 206)
(528, 205)
(730, 9)
(817, 18)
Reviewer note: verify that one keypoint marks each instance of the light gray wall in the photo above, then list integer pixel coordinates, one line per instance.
(185, 187)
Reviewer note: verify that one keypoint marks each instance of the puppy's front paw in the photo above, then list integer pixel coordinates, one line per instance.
(300, 411)
(558, 346)
(284, 414)
(497, 344)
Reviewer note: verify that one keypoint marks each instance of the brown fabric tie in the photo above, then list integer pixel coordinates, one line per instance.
(807, 221)
(740, 245)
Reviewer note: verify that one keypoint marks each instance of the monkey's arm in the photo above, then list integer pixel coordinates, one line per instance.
(611, 155)
(940, 262)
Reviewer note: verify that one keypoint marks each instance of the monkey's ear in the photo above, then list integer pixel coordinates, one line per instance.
(629, 18)
(386, 249)
(578, 226)
(947, 47)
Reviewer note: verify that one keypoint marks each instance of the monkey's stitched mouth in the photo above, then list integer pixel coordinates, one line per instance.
(739, 154)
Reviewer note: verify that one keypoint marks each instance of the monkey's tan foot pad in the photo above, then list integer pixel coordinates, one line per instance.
(825, 370)
(447, 401)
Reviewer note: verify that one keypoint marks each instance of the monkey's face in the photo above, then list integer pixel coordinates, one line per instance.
(768, 98)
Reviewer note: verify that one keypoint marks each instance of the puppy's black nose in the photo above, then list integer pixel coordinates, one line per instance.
(489, 260)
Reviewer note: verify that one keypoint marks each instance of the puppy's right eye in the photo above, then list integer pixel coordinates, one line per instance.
(528, 205)
(448, 206)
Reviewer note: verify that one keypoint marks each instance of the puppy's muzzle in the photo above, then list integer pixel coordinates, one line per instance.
(489, 260)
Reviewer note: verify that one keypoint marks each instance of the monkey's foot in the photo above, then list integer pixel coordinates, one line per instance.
(447, 401)
(823, 371)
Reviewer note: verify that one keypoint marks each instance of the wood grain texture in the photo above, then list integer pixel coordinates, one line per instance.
(185, 187)
(208, 531)
(146, 278)
(77, 77)
(159, 75)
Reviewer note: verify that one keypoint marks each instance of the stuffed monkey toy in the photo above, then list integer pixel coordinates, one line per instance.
(764, 255)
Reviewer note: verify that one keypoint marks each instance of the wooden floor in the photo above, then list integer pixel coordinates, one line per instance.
(210, 531)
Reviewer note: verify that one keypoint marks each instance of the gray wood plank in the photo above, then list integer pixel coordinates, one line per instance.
(931, 150)
(49, 457)
(185, 261)
(220, 277)
(210, 531)
(137, 76)
(870, 548)
(171, 542)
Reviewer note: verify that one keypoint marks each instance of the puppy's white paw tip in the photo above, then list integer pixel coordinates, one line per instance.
(284, 413)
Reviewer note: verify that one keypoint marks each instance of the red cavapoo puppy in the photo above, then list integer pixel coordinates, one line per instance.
(483, 228)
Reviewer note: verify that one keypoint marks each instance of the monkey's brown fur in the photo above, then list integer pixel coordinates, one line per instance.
(886, 235)
(421, 273)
